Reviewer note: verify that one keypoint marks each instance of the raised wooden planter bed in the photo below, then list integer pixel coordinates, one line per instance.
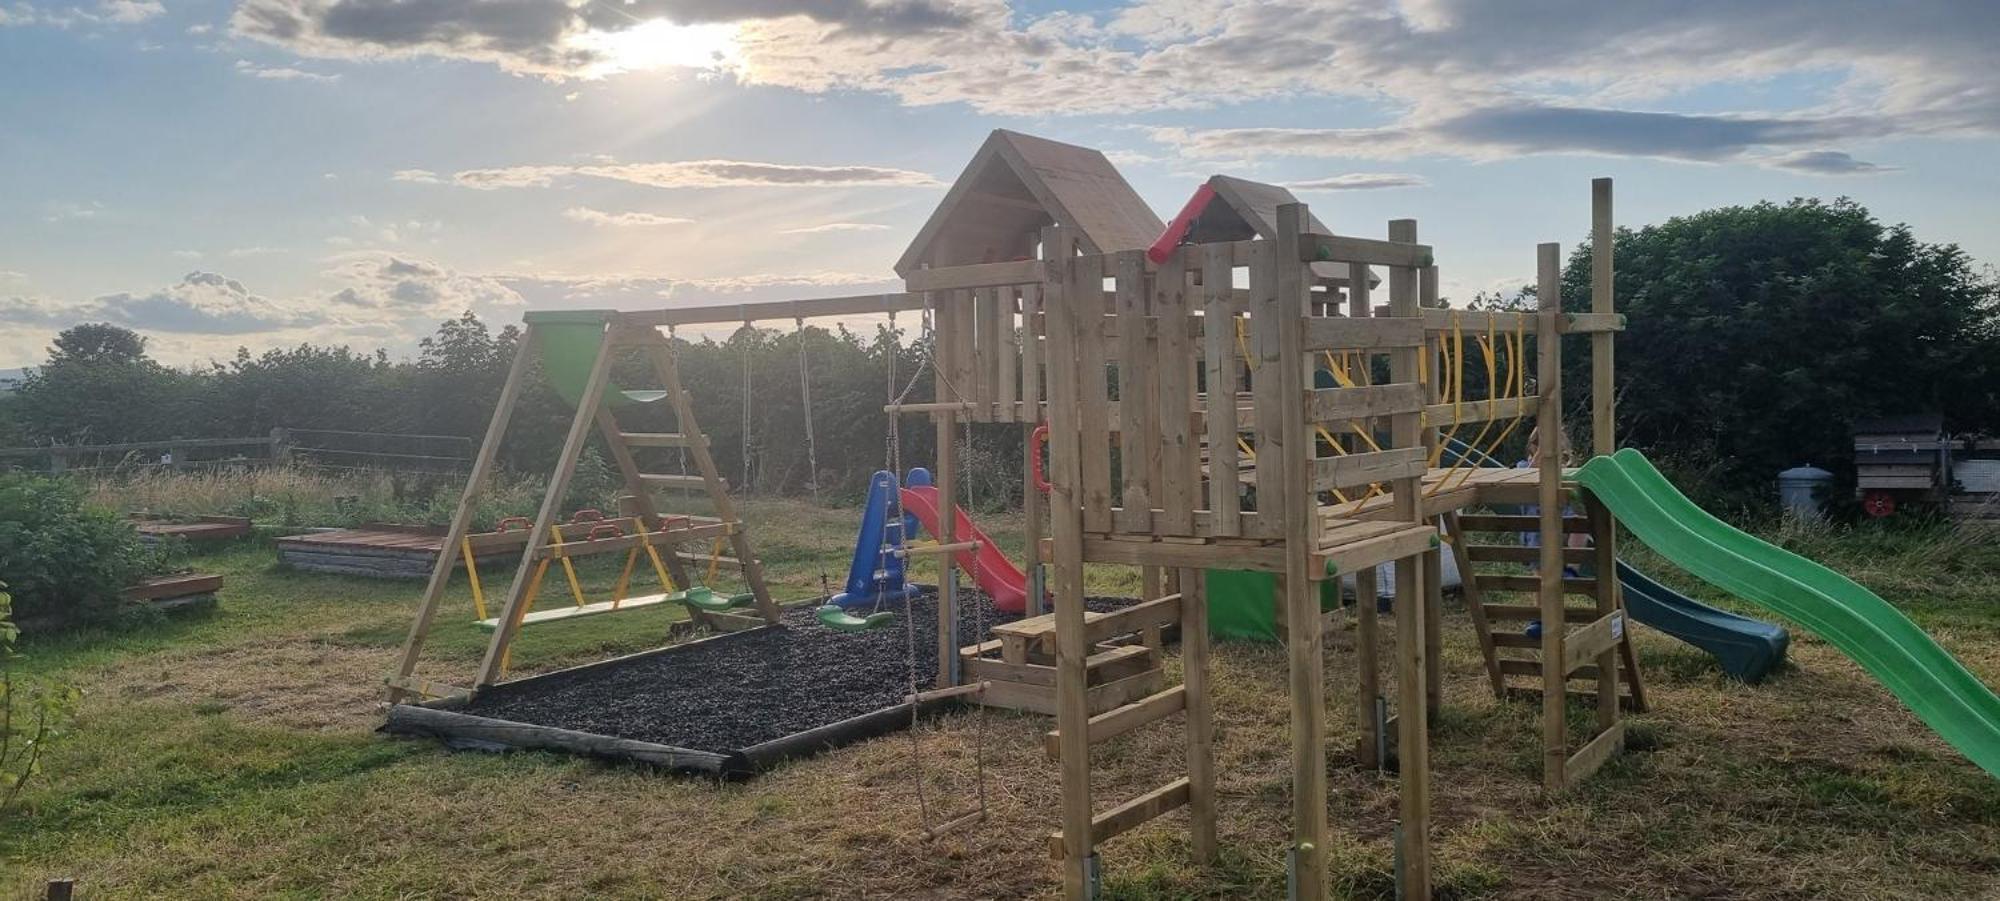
(180, 591)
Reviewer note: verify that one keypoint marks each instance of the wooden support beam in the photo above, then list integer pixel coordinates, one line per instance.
(1120, 720)
(1334, 473)
(785, 310)
(461, 519)
(1368, 251)
(1343, 333)
(1548, 359)
(1487, 522)
(1066, 382)
(1536, 583)
(1129, 815)
(1587, 644)
(1591, 757)
(1281, 346)
(660, 439)
(1342, 404)
(1200, 709)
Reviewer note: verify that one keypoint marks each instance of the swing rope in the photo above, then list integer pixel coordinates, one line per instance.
(812, 453)
(895, 454)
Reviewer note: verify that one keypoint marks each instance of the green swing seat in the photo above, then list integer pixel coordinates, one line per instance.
(705, 598)
(836, 617)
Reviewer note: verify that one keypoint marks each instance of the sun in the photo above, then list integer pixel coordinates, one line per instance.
(660, 44)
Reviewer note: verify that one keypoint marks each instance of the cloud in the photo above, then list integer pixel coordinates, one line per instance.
(107, 12)
(127, 12)
(1826, 162)
(18, 309)
(73, 211)
(601, 218)
(553, 38)
(1514, 129)
(1470, 79)
(362, 229)
(203, 302)
(1359, 181)
(281, 73)
(688, 174)
(11, 275)
(834, 227)
(187, 254)
(416, 176)
(256, 250)
(381, 283)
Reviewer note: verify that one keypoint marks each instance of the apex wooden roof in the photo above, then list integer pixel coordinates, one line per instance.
(1014, 186)
(1249, 209)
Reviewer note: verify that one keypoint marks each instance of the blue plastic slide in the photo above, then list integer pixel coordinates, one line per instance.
(876, 574)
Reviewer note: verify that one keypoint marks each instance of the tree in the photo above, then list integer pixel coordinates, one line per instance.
(99, 386)
(1757, 336)
(98, 342)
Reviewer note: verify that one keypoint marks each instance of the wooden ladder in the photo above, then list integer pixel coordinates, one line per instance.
(1589, 632)
(1194, 790)
(706, 478)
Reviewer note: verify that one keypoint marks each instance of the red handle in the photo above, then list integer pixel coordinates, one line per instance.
(1037, 438)
(587, 514)
(508, 524)
(606, 530)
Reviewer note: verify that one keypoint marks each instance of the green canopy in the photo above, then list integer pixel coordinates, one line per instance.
(569, 341)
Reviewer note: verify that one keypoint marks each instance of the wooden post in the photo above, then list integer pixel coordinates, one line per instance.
(1286, 306)
(947, 485)
(1200, 713)
(1549, 425)
(1367, 615)
(1603, 393)
(1415, 610)
(1064, 293)
(559, 479)
(1368, 679)
(1426, 288)
(1031, 507)
(60, 890)
(461, 519)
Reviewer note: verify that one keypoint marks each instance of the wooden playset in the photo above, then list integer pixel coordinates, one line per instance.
(1244, 389)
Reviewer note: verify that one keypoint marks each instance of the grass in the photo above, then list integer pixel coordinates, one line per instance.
(231, 755)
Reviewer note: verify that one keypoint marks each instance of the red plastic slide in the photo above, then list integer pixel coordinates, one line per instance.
(990, 569)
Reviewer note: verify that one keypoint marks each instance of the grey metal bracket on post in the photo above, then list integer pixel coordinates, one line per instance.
(1093, 876)
(1381, 731)
(1396, 835)
(1038, 589)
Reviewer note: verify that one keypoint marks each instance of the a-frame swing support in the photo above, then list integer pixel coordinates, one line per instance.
(592, 413)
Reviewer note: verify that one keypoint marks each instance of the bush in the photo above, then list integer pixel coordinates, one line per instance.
(32, 713)
(64, 560)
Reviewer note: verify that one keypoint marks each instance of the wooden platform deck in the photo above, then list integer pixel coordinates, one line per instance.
(381, 550)
(201, 529)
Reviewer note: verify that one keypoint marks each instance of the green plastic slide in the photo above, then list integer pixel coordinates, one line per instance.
(1925, 677)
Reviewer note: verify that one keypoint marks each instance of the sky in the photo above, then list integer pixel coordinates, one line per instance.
(261, 173)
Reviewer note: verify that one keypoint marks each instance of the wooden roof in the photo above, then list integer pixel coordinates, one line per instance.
(1249, 209)
(1017, 184)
